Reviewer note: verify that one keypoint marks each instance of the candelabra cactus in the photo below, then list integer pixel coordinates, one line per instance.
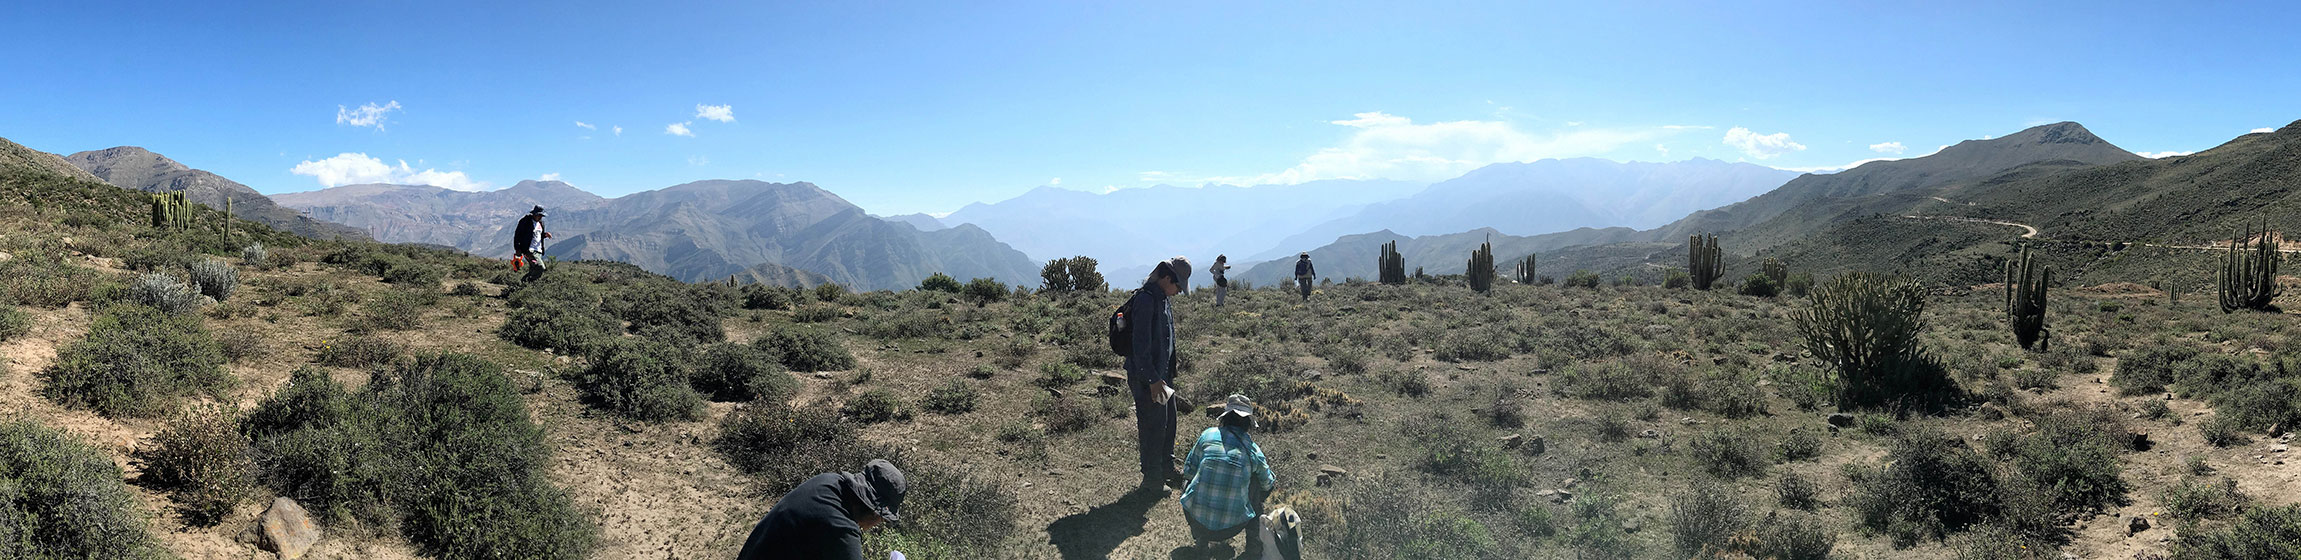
(2249, 275)
(1775, 270)
(1704, 261)
(1390, 265)
(1481, 268)
(2025, 282)
(1524, 273)
(171, 211)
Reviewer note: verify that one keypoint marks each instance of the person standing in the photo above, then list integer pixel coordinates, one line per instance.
(527, 243)
(1304, 274)
(1221, 284)
(825, 517)
(1229, 478)
(1150, 371)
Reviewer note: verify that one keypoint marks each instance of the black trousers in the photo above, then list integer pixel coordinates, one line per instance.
(1154, 433)
(534, 267)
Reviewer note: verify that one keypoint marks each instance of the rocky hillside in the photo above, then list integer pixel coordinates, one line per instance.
(134, 168)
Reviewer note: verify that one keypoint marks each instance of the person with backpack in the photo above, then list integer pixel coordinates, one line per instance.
(527, 243)
(1143, 331)
(1229, 477)
(1304, 273)
(825, 517)
(1221, 285)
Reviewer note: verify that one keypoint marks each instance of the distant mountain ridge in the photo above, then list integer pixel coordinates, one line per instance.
(1129, 229)
(135, 168)
(787, 233)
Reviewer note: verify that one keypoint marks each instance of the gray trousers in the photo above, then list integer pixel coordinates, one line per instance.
(1220, 291)
(1305, 287)
(1154, 433)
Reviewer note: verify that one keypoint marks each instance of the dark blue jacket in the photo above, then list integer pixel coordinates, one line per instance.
(1153, 326)
(1302, 267)
(813, 522)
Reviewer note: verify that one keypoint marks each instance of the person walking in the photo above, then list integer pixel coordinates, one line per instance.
(527, 243)
(1304, 274)
(1229, 478)
(1150, 371)
(825, 517)
(1221, 284)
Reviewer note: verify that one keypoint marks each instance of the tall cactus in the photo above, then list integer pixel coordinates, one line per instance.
(1481, 268)
(2025, 283)
(1704, 261)
(171, 211)
(1390, 265)
(1524, 273)
(2249, 276)
(1775, 270)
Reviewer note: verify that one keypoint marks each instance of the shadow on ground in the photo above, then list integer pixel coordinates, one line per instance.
(1096, 532)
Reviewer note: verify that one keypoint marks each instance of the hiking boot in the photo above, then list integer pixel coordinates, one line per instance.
(1174, 478)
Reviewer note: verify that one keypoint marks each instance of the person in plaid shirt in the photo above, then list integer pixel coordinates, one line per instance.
(1229, 477)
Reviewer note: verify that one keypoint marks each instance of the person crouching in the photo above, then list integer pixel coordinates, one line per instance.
(1229, 478)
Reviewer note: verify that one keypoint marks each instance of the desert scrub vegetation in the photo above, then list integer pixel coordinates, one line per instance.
(440, 448)
(65, 499)
(731, 372)
(203, 462)
(667, 310)
(358, 351)
(164, 292)
(214, 278)
(137, 361)
(807, 350)
(45, 278)
(954, 397)
(13, 322)
(875, 406)
(642, 379)
(1866, 327)
(558, 313)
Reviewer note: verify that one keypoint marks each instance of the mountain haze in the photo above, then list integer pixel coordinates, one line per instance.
(1128, 229)
(1353, 256)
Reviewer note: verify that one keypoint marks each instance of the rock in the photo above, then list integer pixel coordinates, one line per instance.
(822, 375)
(2138, 524)
(2279, 448)
(1512, 441)
(1539, 371)
(1632, 525)
(1841, 419)
(204, 301)
(4, 256)
(1112, 379)
(1561, 496)
(288, 530)
(1331, 469)
(2139, 440)
(1536, 445)
(1312, 455)
(1650, 434)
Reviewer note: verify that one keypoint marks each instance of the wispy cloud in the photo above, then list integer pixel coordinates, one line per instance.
(548, 177)
(2263, 130)
(357, 168)
(585, 125)
(721, 113)
(1888, 148)
(678, 129)
(1761, 146)
(1387, 146)
(2164, 154)
(1686, 127)
(698, 161)
(1055, 181)
(1665, 150)
(618, 131)
(367, 115)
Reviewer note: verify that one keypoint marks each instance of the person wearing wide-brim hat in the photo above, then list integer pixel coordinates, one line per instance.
(1229, 477)
(527, 243)
(1304, 274)
(825, 517)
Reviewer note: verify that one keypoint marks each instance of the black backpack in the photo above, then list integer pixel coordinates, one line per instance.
(1121, 329)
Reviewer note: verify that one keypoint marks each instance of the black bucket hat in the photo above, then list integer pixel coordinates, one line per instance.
(885, 486)
(537, 211)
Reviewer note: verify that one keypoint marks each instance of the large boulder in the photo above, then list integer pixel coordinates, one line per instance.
(288, 530)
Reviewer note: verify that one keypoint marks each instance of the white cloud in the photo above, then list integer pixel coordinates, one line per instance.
(548, 177)
(1664, 149)
(357, 168)
(1761, 146)
(678, 129)
(721, 113)
(1055, 181)
(618, 131)
(368, 114)
(1387, 146)
(698, 161)
(585, 125)
(1573, 123)
(2164, 154)
(1687, 127)
(1888, 148)
(2263, 130)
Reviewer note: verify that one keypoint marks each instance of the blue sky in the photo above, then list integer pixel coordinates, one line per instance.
(924, 107)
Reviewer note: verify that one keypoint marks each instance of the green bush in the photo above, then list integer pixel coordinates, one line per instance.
(440, 447)
(939, 282)
(673, 312)
(2263, 532)
(739, 373)
(558, 314)
(1867, 327)
(947, 513)
(2222, 431)
(1759, 285)
(2149, 370)
(1453, 450)
(985, 290)
(641, 379)
(1799, 445)
(1798, 285)
(135, 361)
(784, 444)
(359, 351)
(1795, 491)
(2195, 499)
(762, 296)
(1932, 486)
(1481, 344)
(1729, 453)
(44, 279)
(1405, 382)
(13, 322)
(1062, 414)
(1794, 536)
(1582, 279)
(806, 350)
(203, 462)
(413, 275)
(875, 406)
(954, 397)
(215, 278)
(393, 310)
(63, 499)
(2074, 456)
(829, 292)
(1705, 519)
(1617, 380)
(815, 314)
(163, 292)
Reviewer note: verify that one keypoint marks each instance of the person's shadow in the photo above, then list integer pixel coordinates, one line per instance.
(1098, 531)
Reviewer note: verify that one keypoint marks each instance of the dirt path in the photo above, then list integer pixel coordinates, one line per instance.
(2032, 234)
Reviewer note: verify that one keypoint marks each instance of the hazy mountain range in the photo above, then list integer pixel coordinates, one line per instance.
(134, 168)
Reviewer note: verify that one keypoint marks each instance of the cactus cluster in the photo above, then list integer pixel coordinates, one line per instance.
(1704, 261)
(1775, 270)
(171, 211)
(1481, 268)
(2025, 283)
(1390, 265)
(1524, 273)
(2249, 275)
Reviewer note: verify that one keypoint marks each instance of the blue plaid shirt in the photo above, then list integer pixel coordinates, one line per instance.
(1221, 466)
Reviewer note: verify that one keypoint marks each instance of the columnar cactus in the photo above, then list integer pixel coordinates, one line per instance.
(1525, 271)
(171, 211)
(2249, 276)
(1390, 265)
(1704, 261)
(1775, 270)
(2025, 283)
(1481, 268)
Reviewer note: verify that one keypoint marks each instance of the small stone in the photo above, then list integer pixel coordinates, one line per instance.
(822, 375)
(1650, 434)
(1512, 441)
(1054, 472)
(2279, 448)
(1113, 379)
(1540, 371)
(1312, 455)
(1087, 465)
(288, 530)
(2138, 524)
(1562, 496)
(1325, 480)
(1333, 470)
(1841, 420)
(1536, 445)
